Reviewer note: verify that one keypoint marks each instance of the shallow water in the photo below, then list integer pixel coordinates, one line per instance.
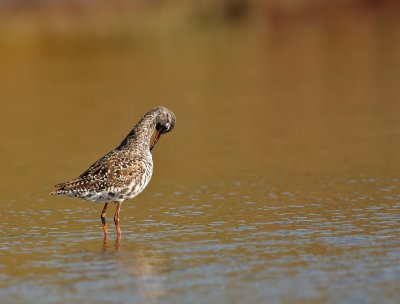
(229, 242)
(279, 184)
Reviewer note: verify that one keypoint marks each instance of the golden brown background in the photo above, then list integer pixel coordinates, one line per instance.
(279, 183)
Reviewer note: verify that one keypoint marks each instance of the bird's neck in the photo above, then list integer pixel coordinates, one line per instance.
(140, 135)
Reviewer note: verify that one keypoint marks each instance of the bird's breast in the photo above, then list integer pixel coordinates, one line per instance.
(137, 185)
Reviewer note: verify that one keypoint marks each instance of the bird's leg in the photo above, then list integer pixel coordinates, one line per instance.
(116, 219)
(103, 219)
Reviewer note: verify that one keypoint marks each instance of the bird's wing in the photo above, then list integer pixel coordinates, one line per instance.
(112, 170)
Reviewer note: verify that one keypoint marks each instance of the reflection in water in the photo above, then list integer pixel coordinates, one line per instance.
(232, 238)
(143, 266)
(117, 243)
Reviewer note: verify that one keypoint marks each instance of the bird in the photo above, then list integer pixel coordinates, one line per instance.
(124, 172)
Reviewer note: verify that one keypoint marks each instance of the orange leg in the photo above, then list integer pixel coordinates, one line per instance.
(103, 219)
(116, 219)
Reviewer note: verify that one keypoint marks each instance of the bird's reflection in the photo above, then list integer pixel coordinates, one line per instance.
(117, 244)
(146, 266)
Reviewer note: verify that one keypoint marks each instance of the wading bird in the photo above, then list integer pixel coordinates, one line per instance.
(125, 171)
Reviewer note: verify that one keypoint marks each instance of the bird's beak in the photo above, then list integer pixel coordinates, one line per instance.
(155, 139)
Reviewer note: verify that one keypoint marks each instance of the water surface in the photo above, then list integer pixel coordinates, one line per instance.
(279, 184)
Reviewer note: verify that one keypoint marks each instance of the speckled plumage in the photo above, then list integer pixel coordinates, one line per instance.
(125, 171)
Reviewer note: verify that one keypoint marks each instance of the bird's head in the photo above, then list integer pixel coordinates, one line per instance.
(165, 123)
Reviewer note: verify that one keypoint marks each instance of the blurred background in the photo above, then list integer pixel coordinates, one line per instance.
(259, 87)
(277, 103)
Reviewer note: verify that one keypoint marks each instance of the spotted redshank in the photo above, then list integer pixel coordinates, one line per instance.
(125, 171)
